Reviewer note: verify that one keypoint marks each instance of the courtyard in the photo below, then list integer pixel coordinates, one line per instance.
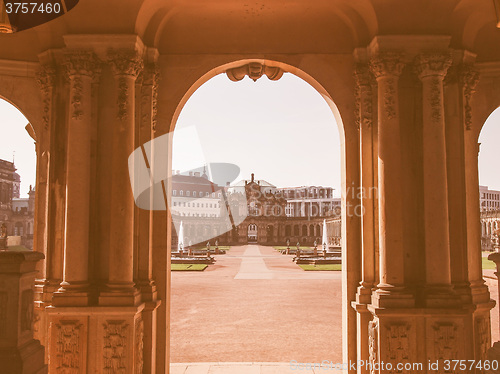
(256, 305)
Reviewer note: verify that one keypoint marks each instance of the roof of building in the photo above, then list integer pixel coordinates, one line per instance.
(260, 182)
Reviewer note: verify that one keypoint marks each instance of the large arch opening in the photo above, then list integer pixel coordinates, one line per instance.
(270, 237)
(17, 177)
(489, 202)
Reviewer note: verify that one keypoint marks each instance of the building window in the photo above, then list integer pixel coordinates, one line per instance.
(194, 193)
(181, 193)
(174, 192)
(188, 193)
(207, 195)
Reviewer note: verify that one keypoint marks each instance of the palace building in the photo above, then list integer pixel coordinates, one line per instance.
(15, 212)
(262, 206)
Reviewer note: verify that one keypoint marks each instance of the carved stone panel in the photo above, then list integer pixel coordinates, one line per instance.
(139, 345)
(445, 344)
(483, 336)
(397, 345)
(27, 310)
(70, 337)
(373, 345)
(115, 347)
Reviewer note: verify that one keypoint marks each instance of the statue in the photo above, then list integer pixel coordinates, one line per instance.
(496, 241)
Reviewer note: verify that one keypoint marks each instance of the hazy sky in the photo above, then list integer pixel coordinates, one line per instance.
(489, 154)
(282, 131)
(14, 138)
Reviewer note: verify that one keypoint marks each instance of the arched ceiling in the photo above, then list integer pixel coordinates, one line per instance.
(280, 26)
(262, 26)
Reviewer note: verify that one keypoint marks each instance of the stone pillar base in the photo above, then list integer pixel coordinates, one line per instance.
(20, 353)
(29, 359)
(425, 336)
(494, 355)
(96, 339)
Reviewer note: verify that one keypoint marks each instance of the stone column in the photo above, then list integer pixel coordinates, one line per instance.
(74, 289)
(19, 352)
(147, 107)
(431, 70)
(364, 118)
(469, 78)
(494, 352)
(120, 289)
(387, 67)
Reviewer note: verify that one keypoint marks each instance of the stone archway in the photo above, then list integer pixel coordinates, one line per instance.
(407, 116)
(273, 69)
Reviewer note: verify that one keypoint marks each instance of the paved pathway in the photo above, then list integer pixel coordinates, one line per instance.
(256, 306)
(241, 368)
(254, 265)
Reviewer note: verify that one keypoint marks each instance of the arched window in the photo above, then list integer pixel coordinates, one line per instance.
(174, 192)
(181, 193)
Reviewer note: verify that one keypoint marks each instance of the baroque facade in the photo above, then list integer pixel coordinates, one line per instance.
(490, 224)
(265, 208)
(410, 83)
(15, 212)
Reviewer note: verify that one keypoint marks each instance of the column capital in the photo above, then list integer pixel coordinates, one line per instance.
(46, 78)
(81, 62)
(126, 62)
(387, 64)
(432, 64)
(362, 74)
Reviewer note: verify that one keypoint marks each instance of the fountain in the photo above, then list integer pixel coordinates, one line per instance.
(180, 240)
(327, 257)
(181, 258)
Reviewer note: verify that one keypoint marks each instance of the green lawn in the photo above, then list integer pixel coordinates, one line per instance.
(212, 247)
(329, 267)
(188, 267)
(487, 264)
(283, 247)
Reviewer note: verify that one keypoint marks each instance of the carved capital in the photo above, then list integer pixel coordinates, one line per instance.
(363, 95)
(387, 64)
(432, 64)
(81, 62)
(254, 70)
(151, 78)
(363, 75)
(45, 78)
(469, 78)
(126, 62)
